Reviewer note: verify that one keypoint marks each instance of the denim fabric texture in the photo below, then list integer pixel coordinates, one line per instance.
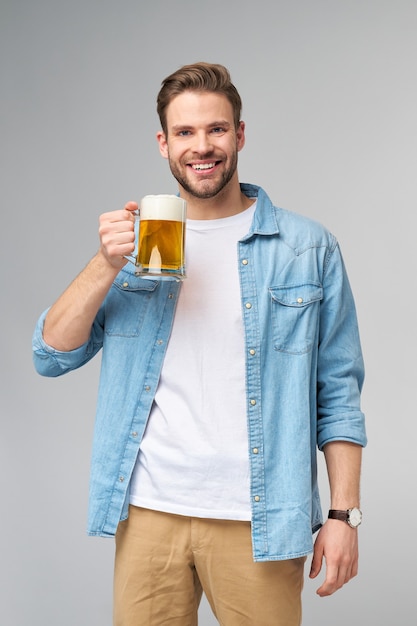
(304, 374)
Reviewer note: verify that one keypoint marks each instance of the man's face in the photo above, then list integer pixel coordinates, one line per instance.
(202, 142)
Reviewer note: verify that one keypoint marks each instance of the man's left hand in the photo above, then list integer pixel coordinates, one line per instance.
(337, 543)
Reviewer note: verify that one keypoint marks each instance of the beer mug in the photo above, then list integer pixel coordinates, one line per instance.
(160, 249)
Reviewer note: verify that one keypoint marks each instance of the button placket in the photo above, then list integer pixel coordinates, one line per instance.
(253, 391)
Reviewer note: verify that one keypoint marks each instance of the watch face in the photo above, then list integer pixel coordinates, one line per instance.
(355, 517)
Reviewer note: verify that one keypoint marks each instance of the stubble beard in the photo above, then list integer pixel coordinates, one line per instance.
(208, 188)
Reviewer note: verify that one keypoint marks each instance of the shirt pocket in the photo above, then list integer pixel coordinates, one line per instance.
(127, 306)
(295, 316)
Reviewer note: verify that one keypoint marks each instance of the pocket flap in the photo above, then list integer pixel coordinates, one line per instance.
(129, 282)
(297, 295)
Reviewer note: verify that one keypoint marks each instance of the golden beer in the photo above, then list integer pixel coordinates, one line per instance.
(161, 245)
(161, 239)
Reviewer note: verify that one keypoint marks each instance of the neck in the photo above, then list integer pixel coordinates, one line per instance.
(229, 201)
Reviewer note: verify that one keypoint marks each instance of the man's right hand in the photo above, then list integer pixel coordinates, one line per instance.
(68, 322)
(117, 234)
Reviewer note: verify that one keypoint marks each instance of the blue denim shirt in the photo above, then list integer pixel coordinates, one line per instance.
(304, 373)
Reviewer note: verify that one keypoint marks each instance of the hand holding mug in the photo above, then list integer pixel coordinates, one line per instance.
(117, 234)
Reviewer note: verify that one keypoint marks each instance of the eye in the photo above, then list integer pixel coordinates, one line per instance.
(218, 130)
(184, 133)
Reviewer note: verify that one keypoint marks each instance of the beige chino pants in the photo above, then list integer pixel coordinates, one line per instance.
(164, 562)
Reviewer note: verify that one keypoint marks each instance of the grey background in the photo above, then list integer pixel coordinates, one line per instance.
(330, 101)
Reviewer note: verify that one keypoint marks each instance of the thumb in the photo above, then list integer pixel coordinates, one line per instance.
(316, 564)
(131, 206)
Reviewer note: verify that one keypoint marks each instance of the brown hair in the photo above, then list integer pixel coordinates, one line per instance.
(198, 77)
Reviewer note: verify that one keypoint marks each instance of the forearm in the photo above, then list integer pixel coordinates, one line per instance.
(69, 321)
(343, 460)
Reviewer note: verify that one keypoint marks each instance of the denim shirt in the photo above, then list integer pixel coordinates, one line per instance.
(304, 373)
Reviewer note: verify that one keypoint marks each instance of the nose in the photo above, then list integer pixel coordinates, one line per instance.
(203, 144)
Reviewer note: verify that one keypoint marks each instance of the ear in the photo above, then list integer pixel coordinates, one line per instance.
(163, 144)
(240, 136)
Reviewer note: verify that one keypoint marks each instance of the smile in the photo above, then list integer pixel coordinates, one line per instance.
(203, 166)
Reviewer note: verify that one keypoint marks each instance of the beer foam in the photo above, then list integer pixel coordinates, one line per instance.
(162, 207)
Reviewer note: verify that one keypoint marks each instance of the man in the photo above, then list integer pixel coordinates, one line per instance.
(215, 392)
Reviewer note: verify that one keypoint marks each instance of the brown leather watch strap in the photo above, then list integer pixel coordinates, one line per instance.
(343, 516)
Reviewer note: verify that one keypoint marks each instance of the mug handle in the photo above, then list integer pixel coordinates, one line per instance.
(133, 258)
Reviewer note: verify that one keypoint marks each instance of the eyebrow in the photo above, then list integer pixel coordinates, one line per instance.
(223, 123)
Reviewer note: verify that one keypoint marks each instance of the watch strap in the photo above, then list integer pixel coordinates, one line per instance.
(353, 516)
(343, 516)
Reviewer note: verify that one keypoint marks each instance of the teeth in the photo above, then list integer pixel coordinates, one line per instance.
(203, 166)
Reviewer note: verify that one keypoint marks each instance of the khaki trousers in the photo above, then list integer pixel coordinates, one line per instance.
(164, 562)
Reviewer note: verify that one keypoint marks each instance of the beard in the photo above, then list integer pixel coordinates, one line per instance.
(205, 188)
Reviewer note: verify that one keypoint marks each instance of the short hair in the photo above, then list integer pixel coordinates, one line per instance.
(198, 77)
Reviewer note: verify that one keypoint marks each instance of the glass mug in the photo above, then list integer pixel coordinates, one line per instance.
(160, 249)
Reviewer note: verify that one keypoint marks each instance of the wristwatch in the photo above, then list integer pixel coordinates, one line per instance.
(353, 516)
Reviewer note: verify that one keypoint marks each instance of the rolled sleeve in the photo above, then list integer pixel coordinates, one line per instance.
(340, 362)
(51, 362)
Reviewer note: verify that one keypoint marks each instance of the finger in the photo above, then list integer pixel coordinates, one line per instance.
(329, 586)
(336, 577)
(118, 246)
(116, 221)
(351, 572)
(317, 561)
(131, 206)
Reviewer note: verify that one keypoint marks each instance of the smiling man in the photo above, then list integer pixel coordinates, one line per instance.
(216, 392)
(201, 143)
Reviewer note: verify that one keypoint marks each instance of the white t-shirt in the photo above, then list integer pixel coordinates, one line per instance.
(194, 458)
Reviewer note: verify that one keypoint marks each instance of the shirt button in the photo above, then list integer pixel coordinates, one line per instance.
(121, 479)
(257, 498)
(147, 388)
(252, 352)
(299, 300)
(134, 434)
(248, 305)
(245, 262)
(159, 342)
(125, 284)
(253, 402)
(255, 450)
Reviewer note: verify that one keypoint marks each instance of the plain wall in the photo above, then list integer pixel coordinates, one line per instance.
(330, 100)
